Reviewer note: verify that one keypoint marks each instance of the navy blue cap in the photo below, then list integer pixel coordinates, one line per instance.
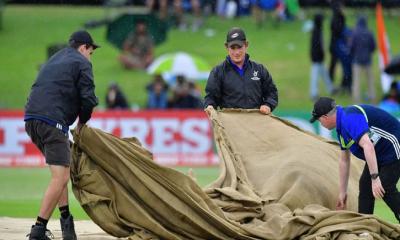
(235, 36)
(322, 107)
(83, 37)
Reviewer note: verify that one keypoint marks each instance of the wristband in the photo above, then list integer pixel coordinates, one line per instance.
(374, 176)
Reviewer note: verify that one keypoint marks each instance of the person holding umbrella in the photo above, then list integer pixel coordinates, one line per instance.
(239, 82)
(138, 48)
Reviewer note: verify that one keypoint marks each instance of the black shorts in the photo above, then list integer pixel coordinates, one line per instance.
(52, 142)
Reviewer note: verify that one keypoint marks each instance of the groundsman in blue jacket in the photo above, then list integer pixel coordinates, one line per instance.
(372, 135)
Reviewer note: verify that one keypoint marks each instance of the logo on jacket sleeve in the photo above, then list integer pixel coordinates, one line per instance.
(255, 76)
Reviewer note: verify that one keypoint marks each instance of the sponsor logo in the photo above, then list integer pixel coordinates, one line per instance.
(235, 35)
(255, 76)
(175, 138)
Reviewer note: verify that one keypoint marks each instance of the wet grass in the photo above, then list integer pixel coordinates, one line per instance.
(284, 49)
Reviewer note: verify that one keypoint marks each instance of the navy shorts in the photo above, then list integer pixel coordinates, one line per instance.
(51, 141)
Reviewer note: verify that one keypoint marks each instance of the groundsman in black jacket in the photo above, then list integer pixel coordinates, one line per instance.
(239, 82)
(63, 91)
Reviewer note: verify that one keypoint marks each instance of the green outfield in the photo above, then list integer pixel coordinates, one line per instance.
(22, 189)
(28, 30)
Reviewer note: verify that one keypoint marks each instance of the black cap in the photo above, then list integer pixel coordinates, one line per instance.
(321, 107)
(235, 36)
(83, 37)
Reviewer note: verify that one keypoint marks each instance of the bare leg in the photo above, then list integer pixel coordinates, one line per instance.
(150, 4)
(196, 9)
(356, 87)
(131, 62)
(371, 84)
(179, 14)
(63, 201)
(163, 9)
(258, 15)
(56, 187)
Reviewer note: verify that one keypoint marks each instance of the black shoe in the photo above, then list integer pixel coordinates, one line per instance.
(39, 232)
(68, 228)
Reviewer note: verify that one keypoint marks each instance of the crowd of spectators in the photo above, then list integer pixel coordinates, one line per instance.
(352, 47)
(183, 94)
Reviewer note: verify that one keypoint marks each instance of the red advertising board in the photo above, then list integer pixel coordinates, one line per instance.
(177, 138)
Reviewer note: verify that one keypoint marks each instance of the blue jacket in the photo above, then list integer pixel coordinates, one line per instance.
(382, 128)
(362, 44)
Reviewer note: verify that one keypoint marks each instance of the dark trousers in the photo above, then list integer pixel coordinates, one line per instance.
(389, 176)
(346, 61)
(332, 67)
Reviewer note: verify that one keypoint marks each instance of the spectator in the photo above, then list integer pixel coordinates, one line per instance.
(362, 47)
(318, 69)
(137, 48)
(195, 7)
(391, 101)
(194, 90)
(220, 8)
(336, 27)
(292, 9)
(339, 46)
(115, 98)
(180, 82)
(184, 97)
(259, 6)
(157, 93)
(179, 6)
(162, 7)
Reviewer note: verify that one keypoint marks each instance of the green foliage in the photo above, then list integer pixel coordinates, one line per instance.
(283, 48)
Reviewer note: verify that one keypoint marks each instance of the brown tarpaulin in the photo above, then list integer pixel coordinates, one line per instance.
(276, 182)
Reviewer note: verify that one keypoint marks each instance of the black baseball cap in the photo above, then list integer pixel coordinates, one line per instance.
(321, 107)
(235, 36)
(83, 37)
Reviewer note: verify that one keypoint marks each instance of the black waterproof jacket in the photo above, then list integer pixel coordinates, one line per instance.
(63, 90)
(317, 42)
(227, 89)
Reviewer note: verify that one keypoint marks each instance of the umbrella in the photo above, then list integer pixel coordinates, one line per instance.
(119, 28)
(180, 63)
(394, 66)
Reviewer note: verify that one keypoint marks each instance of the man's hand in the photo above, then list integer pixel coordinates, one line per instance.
(377, 188)
(209, 109)
(341, 202)
(265, 109)
(79, 127)
(370, 158)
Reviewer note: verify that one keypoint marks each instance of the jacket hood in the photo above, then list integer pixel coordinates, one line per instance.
(362, 22)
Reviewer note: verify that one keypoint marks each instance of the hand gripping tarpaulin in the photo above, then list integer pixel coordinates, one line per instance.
(276, 182)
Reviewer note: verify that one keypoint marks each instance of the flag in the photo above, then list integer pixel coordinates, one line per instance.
(383, 47)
